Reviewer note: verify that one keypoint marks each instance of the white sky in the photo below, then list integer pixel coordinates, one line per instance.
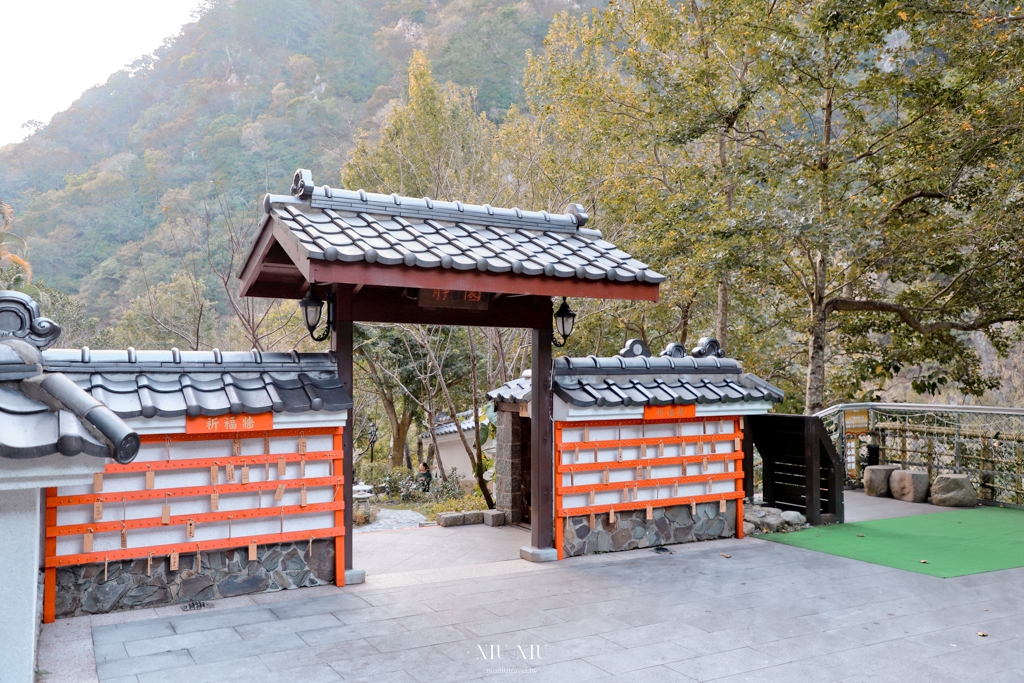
(51, 52)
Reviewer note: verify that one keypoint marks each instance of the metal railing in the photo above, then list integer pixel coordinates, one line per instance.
(985, 443)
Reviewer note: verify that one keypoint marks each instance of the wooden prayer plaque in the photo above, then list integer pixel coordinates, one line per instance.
(302, 444)
(97, 511)
(150, 480)
(214, 501)
(229, 472)
(302, 468)
(165, 514)
(245, 474)
(279, 493)
(87, 542)
(174, 560)
(214, 474)
(236, 447)
(281, 467)
(252, 551)
(302, 497)
(124, 538)
(97, 483)
(190, 529)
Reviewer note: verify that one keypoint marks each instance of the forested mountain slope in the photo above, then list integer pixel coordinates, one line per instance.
(227, 110)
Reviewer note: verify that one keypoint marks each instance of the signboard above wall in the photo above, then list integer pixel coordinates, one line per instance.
(451, 298)
(229, 423)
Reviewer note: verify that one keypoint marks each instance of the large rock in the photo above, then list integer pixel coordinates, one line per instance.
(473, 517)
(876, 479)
(450, 519)
(953, 490)
(909, 485)
(793, 518)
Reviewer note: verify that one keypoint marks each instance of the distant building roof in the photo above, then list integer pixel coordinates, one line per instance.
(446, 425)
(634, 378)
(210, 383)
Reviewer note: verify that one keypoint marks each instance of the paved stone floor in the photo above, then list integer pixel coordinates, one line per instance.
(390, 520)
(766, 613)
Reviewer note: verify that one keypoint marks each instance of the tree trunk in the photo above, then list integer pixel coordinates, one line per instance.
(722, 319)
(817, 342)
(815, 395)
(478, 466)
(399, 436)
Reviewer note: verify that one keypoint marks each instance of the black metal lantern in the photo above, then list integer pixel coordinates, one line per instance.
(372, 437)
(312, 309)
(565, 319)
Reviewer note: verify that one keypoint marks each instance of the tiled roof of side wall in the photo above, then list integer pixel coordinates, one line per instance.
(208, 383)
(658, 381)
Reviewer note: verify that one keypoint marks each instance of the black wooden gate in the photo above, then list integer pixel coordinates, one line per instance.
(801, 469)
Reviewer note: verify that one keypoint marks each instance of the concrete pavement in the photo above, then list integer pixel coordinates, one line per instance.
(766, 613)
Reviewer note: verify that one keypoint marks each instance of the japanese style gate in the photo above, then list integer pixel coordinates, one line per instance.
(393, 259)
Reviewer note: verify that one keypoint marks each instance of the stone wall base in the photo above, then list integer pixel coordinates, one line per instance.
(632, 529)
(225, 573)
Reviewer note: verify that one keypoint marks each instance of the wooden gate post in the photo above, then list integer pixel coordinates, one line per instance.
(343, 351)
(542, 457)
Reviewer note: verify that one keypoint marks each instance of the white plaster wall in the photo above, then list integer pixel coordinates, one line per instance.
(453, 454)
(164, 535)
(651, 431)
(20, 527)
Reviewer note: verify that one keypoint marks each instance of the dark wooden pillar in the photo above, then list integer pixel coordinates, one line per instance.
(542, 460)
(748, 461)
(812, 450)
(343, 350)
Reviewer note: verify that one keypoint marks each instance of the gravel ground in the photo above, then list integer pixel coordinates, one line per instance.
(389, 520)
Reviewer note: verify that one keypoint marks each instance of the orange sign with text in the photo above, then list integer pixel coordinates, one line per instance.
(229, 424)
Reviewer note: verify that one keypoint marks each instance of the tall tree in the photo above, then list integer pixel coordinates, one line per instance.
(854, 164)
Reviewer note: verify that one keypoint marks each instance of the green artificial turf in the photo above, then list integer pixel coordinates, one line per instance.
(953, 543)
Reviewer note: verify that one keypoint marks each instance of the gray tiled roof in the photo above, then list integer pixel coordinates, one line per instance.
(210, 383)
(446, 425)
(514, 391)
(42, 414)
(644, 380)
(353, 226)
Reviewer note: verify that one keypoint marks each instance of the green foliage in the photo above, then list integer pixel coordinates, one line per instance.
(852, 170)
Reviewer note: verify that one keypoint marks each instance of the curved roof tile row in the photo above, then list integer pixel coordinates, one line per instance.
(148, 395)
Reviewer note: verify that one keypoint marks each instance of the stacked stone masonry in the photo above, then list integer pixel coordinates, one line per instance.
(131, 584)
(509, 467)
(632, 529)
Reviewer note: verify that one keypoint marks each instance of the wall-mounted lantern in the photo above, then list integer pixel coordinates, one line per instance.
(312, 308)
(565, 319)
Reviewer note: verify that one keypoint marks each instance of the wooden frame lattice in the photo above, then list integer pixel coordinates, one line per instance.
(642, 466)
(336, 480)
